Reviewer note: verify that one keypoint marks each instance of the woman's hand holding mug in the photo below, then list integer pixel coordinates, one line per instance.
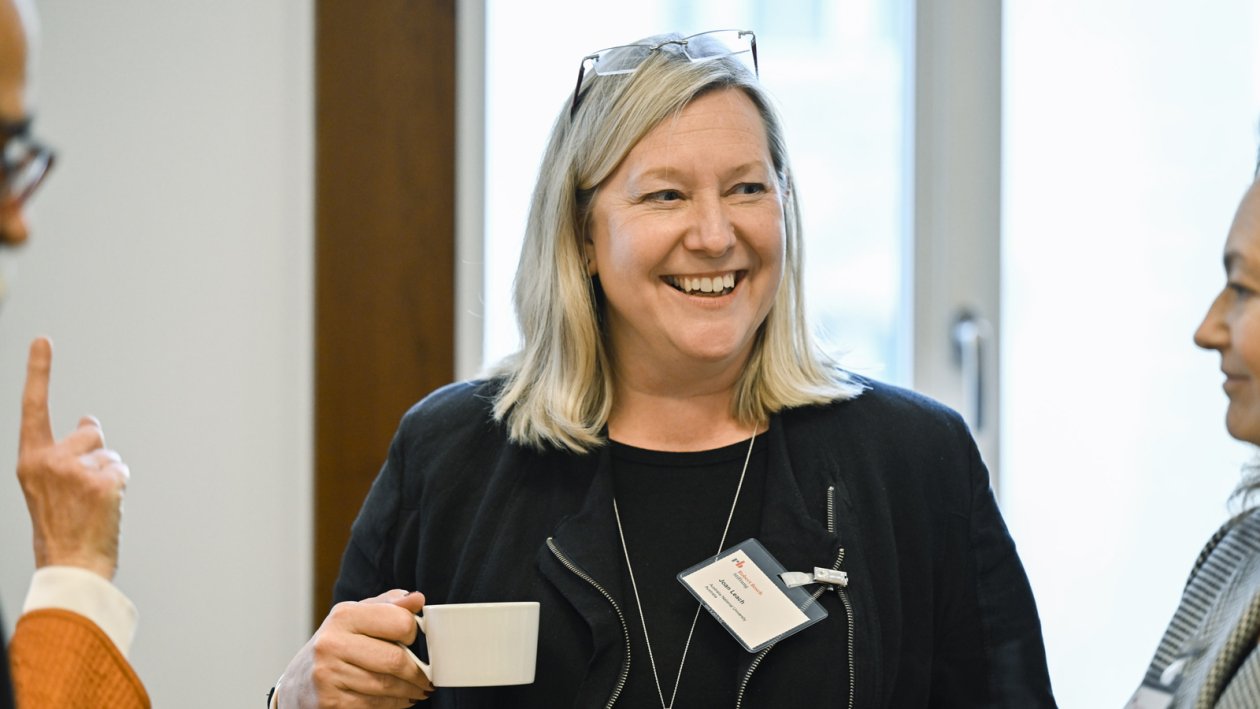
(354, 659)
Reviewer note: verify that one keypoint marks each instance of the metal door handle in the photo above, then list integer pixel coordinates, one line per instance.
(971, 335)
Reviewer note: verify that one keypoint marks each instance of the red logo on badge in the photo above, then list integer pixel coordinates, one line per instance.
(739, 563)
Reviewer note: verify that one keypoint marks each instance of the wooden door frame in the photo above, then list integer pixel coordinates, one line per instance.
(384, 242)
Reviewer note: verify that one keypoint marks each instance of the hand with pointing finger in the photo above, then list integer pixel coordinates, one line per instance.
(74, 487)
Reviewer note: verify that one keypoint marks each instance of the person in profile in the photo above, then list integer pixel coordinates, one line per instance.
(1208, 656)
(70, 643)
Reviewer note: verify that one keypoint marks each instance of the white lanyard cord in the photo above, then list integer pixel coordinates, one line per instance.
(635, 586)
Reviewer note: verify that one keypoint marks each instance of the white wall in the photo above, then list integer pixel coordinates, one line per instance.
(171, 264)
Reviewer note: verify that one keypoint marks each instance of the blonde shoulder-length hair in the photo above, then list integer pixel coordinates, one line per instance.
(558, 389)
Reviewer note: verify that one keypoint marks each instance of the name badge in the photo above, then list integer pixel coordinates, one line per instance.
(741, 588)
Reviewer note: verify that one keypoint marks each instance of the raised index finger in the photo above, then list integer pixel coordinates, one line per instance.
(36, 426)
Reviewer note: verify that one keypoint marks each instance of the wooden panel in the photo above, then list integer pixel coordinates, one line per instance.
(385, 242)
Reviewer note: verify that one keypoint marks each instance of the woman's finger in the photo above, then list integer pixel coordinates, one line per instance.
(376, 620)
(379, 679)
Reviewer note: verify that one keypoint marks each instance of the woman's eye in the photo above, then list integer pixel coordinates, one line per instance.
(665, 196)
(750, 188)
(1239, 290)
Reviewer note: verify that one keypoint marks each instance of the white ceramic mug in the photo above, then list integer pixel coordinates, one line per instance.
(479, 644)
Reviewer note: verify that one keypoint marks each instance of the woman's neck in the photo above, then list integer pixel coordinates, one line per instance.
(678, 405)
(675, 421)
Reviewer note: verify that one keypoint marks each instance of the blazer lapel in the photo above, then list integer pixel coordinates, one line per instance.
(581, 561)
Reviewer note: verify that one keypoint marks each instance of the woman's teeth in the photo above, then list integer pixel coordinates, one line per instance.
(711, 285)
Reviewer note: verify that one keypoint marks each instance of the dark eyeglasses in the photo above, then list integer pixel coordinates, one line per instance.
(702, 47)
(23, 165)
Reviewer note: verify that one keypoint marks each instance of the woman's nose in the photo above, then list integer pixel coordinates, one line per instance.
(1212, 333)
(712, 233)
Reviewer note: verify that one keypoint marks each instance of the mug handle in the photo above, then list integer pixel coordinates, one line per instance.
(424, 666)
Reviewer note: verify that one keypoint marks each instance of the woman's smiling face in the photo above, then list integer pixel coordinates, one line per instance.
(1232, 324)
(687, 238)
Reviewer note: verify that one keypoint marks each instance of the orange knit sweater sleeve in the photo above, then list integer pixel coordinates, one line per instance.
(61, 659)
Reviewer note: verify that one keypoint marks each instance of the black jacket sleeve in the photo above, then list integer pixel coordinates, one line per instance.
(990, 651)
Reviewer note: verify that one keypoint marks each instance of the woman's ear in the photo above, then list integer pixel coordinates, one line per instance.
(588, 250)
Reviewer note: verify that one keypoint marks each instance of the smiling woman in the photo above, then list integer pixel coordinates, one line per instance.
(1232, 324)
(1209, 657)
(668, 402)
(636, 153)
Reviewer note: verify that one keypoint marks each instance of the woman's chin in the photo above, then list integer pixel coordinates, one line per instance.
(1243, 425)
(708, 344)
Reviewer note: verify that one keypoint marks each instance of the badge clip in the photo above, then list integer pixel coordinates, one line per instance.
(830, 577)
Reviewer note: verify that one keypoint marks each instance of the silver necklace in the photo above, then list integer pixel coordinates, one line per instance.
(635, 586)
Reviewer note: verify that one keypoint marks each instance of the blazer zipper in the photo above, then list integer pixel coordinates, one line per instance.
(625, 630)
(842, 592)
(844, 598)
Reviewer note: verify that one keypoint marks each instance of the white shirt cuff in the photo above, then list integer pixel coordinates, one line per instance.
(88, 594)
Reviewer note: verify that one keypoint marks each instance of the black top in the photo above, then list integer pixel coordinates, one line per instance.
(673, 509)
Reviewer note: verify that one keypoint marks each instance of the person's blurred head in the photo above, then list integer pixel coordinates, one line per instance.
(24, 163)
(560, 385)
(1232, 324)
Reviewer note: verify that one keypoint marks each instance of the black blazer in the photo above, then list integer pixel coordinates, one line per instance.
(890, 482)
